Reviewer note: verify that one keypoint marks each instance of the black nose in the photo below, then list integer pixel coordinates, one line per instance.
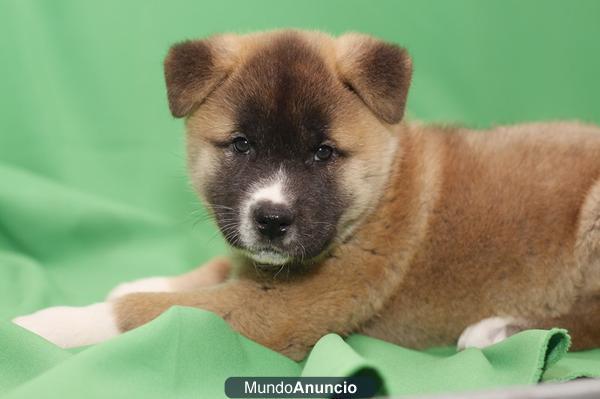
(273, 220)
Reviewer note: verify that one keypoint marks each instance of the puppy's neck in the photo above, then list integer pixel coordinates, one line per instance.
(397, 225)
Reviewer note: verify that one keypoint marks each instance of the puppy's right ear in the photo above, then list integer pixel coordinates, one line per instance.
(194, 68)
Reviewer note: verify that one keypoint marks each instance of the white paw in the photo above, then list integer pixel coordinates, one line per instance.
(151, 284)
(488, 332)
(69, 327)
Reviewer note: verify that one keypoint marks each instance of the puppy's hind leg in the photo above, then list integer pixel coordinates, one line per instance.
(489, 331)
(211, 273)
(582, 323)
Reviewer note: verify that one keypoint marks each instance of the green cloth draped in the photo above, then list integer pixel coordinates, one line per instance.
(93, 188)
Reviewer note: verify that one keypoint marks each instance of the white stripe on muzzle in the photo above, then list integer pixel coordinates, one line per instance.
(271, 189)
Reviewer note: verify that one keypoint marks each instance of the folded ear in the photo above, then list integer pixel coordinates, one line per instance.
(377, 71)
(194, 68)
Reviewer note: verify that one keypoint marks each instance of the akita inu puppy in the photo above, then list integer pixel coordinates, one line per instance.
(345, 219)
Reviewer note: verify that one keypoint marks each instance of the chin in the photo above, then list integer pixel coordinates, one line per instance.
(268, 257)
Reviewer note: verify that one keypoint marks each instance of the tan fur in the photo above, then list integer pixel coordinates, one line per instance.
(211, 273)
(449, 226)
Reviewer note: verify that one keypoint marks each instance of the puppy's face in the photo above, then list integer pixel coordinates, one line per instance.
(289, 134)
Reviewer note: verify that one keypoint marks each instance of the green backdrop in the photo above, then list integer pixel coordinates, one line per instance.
(93, 188)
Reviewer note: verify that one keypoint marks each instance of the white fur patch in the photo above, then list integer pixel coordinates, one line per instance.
(70, 327)
(272, 190)
(272, 193)
(487, 332)
(151, 284)
(269, 258)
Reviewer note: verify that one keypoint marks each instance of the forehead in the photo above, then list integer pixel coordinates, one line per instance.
(284, 92)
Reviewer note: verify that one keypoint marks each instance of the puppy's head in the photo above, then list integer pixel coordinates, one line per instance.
(289, 134)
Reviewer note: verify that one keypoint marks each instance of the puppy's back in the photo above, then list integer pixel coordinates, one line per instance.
(502, 235)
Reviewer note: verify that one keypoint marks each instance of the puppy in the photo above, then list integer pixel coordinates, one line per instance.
(345, 219)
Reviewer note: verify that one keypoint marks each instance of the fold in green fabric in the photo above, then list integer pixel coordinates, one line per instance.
(93, 189)
(190, 353)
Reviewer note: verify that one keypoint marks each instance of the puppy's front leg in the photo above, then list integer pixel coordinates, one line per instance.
(272, 319)
(288, 317)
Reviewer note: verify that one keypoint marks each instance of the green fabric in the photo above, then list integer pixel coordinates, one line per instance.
(93, 189)
(190, 352)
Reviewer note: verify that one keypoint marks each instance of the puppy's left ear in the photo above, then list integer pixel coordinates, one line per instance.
(377, 71)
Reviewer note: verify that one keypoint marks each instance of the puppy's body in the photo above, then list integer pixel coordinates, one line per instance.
(471, 225)
(509, 225)
(346, 219)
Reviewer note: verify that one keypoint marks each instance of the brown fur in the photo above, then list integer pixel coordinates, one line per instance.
(449, 225)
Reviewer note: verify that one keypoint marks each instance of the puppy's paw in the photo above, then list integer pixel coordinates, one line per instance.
(69, 327)
(151, 284)
(489, 331)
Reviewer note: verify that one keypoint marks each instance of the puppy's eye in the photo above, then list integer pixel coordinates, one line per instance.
(323, 153)
(241, 145)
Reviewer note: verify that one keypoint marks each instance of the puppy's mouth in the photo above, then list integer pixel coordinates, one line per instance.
(267, 256)
(274, 241)
(275, 256)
